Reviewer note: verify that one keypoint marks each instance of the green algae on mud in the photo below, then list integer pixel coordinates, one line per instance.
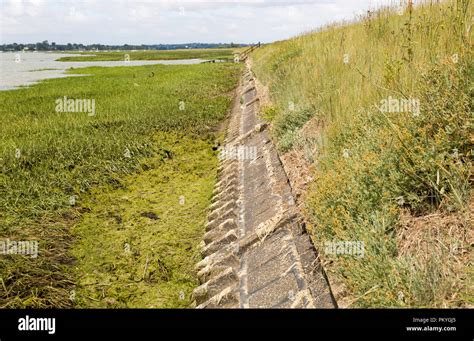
(138, 245)
(52, 163)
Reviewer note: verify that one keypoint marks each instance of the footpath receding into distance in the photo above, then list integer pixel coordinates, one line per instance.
(256, 251)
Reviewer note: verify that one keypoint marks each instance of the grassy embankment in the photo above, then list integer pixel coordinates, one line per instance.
(398, 181)
(220, 54)
(116, 200)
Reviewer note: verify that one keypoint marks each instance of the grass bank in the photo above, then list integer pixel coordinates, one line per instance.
(381, 112)
(64, 176)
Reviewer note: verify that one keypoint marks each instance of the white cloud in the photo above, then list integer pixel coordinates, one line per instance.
(75, 16)
(168, 21)
(14, 8)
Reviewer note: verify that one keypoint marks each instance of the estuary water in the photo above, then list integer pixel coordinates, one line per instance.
(26, 68)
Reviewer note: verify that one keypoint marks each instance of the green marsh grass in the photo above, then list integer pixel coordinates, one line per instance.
(218, 54)
(142, 116)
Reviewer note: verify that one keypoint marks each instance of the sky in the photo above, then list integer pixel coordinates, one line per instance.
(167, 21)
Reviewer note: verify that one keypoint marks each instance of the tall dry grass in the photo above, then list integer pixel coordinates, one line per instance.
(371, 164)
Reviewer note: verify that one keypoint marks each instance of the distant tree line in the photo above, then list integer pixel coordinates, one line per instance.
(46, 46)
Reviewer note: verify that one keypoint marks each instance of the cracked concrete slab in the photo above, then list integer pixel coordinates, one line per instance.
(257, 252)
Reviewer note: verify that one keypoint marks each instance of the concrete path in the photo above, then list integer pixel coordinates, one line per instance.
(256, 252)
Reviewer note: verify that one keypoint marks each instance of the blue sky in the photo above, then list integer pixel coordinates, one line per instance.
(168, 21)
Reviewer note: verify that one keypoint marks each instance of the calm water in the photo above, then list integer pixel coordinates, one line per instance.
(26, 68)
